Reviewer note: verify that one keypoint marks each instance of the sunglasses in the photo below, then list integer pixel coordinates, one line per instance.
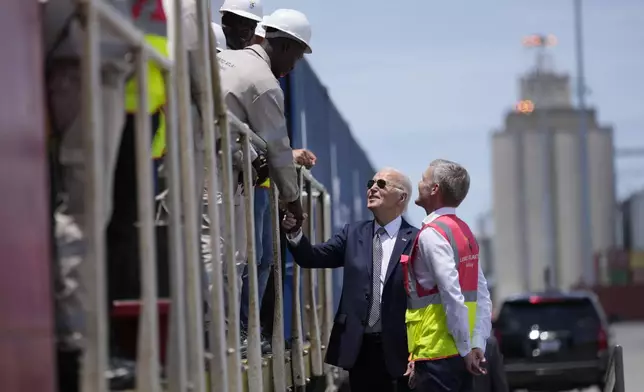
(381, 184)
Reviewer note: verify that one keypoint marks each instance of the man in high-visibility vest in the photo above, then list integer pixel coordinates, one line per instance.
(448, 304)
(150, 17)
(158, 143)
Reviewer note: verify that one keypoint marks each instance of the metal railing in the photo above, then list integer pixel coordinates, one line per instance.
(614, 379)
(189, 365)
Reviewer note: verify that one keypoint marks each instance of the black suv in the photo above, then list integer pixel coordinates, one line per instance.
(553, 341)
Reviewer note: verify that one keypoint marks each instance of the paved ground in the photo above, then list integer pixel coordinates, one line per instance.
(630, 335)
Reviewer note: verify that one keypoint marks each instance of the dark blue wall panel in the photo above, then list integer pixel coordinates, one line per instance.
(309, 122)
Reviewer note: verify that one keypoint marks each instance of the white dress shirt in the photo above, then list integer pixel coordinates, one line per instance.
(388, 242)
(435, 266)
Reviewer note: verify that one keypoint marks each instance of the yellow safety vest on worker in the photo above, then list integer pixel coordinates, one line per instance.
(266, 184)
(158, 143)
(428, 336)
(150, 17)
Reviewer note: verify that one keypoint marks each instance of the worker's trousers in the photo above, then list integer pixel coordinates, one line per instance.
(240, 253)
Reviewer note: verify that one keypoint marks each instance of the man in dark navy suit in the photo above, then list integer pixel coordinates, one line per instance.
(369, 338)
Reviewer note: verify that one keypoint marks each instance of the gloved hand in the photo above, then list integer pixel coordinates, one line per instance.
(260, 164)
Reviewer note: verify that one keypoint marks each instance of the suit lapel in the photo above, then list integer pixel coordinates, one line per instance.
(404, 239)
(366, 244)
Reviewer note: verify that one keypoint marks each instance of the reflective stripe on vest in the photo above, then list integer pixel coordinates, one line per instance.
(158, 143)
(150, 17)
(427, 332)
(266, 184)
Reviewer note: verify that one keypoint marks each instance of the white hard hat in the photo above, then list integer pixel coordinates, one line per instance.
(251, 9)
(260, 30)
(293, 23)
(220, 36)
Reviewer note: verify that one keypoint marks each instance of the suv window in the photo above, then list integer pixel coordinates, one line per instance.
(550, 314)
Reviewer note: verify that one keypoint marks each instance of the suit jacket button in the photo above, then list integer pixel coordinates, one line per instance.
(366, 296)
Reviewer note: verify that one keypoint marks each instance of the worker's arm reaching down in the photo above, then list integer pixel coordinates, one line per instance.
(266, 118)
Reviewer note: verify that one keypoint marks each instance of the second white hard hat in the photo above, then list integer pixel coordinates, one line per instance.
(251, 9)
(219, 36)
(260, 30)
(293, 23)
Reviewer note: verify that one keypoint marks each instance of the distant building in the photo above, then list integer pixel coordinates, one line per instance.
(536, 188)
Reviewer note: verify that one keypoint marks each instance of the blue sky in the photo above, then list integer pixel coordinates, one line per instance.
(419, 80)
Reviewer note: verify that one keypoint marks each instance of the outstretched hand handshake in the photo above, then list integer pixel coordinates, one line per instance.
(293, 217)
(304, 157)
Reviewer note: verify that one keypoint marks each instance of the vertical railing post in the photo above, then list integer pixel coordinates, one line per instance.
(279, 359)
(312, 309)
(232, 287)
(619, 369)
(96, 352)
(319, 276)
(328, 286)
(177, 358)
(217, 336)
(147, 364)
(297, 345)
(233, 366)
(307, 230)
(254, 353)
(191, 237)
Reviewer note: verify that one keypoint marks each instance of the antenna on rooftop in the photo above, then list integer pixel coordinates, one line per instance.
(543, 60)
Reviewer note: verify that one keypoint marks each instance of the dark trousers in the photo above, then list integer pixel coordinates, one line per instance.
(369, 373)
(443, 375)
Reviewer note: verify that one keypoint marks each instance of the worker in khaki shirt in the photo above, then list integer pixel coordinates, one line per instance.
(253, 94)
(251, 90)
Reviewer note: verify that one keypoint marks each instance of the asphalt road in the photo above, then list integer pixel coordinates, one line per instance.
(630, 335)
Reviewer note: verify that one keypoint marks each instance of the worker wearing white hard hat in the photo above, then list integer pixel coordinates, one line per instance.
(287, 39)
(219, 36)
(288, 23)
(239, 19)
(260, 33)
(252, 92)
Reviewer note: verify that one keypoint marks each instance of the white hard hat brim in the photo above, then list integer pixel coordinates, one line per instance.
(244, 14)
(308, 49)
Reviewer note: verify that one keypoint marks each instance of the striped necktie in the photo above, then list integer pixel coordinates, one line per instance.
(374, 307)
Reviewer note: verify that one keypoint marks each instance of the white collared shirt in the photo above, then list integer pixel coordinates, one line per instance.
(388, 242)
(435, 266)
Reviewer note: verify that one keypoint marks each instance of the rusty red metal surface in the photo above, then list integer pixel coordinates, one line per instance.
(26, 318)
(125, 323)
(623, 302)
